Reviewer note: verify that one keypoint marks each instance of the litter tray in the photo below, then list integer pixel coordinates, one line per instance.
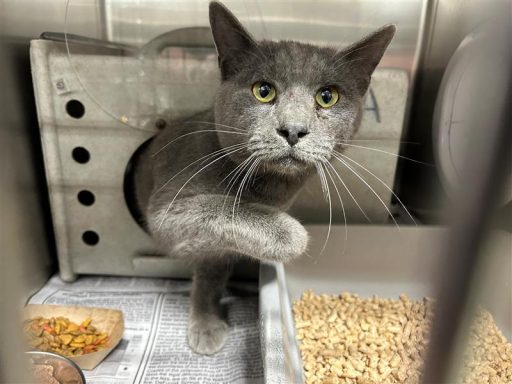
(377, 260)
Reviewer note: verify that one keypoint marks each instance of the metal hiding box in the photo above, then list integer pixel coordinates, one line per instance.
(87, 148)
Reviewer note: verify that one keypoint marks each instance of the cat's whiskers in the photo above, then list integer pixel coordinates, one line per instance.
(214, 123)
(245, 179)
(322, 184)
(320, 168)
(240, 191)
(342, 206)
(190, 178)
(379, 140)
(251, 172)
(231, 173)
(193, 133)
(348, 191)
(381, 181)
(204, 158)
(351, 169)
(255, 173)
(237, 171)
(384, 152)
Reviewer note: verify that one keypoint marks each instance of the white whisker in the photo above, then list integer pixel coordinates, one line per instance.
(342, 207)
(239, 191)
(379, 140)
(204, 158)
(234, 171)
(322, 181)
(255, 173)
(348, 191)
(382, 182)
(351, 169)
(214, 123)
(239, 170)
(193, 133)
(246, 179)
(188, 181)
(385, 152)
(321, 170)
(241, 167)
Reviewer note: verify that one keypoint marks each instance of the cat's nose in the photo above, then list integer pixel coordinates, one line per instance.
(293, 133)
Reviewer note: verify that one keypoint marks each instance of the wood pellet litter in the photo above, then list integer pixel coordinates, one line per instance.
(345, 339)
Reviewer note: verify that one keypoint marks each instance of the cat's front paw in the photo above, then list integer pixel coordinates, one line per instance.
(291, 240)
(207, 335)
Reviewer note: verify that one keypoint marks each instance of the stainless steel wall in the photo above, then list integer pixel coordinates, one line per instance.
(26, 19)
(447, 23)
(25, 229)
(336, 23)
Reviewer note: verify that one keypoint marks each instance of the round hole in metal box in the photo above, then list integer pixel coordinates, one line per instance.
(80, 155)
(86, 197)
(90, 238)
(75, 109)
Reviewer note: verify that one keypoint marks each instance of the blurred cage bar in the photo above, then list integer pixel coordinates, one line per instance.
(429, 34)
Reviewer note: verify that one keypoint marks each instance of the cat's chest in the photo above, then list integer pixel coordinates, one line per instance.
(273, 191)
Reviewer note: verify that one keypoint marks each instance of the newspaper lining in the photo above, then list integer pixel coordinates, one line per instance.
(154, 346)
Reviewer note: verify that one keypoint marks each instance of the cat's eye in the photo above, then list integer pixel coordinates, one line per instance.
(326, 97)
(263, 91)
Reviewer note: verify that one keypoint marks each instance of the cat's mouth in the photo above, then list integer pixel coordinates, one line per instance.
(291, 160)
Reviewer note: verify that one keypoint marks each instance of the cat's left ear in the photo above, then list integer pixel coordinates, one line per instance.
(364, 56)
(231, 38)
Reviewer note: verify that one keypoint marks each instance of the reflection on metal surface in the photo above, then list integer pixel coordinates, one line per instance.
(335, 23)
(447, 24)
(482, 109)
(27, 19)
(56, 367)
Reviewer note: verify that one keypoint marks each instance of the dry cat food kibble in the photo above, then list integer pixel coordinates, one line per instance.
(62, 336)
(350, 340)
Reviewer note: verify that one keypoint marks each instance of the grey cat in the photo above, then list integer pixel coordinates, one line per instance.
(215, 187)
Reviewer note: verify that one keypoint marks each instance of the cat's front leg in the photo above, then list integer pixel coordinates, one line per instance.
(207, 329)
(215, 224)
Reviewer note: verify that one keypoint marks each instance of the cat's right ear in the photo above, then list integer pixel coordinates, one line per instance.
(231, 39)
(364, 56)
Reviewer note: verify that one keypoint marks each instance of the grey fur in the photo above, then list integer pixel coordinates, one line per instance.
(205, 223)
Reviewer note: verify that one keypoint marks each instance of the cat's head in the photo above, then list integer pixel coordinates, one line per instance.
(294, 101)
